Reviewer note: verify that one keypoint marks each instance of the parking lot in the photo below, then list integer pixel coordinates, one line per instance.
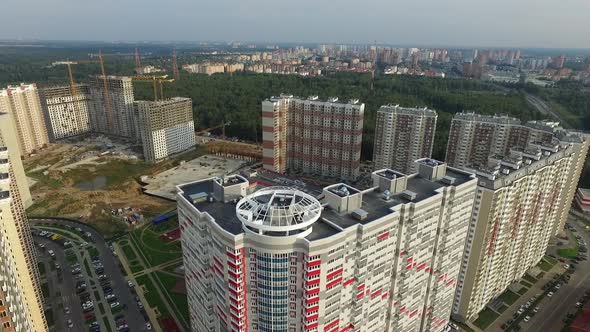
(83, 285)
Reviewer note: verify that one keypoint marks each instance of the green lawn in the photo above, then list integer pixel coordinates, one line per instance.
(509, 297)
(87, 267)
(568, 252)
(129, 253)
(151, 295)
(485, 318)
(526, 284)
(155, 250)
(523, 291)
(529, 279)
(107, 324)
(41, 266)
(101, 308)
(545, 264)
(179, 300)
(45, 290)
(93, 251)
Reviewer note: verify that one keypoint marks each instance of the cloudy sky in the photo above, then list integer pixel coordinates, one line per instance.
(518, 23)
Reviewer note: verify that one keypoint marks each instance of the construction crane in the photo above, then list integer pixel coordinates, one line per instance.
(222, 126)
(156, 80)
(175, 66)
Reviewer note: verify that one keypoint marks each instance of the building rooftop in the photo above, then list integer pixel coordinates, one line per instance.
(330, 100)
(423, 111)
(324, 219)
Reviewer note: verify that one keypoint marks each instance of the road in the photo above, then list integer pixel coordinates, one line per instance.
(112, 269)
(554, 309)
(543, 108)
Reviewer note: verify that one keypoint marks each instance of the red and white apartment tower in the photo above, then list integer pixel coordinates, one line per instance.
(281, 259)
(312, 136)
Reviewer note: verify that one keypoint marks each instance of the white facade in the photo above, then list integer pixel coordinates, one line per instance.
(280, 260)
(67, 114)
(24, 104)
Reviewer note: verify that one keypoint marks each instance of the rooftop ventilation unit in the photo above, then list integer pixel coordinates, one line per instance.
(359, 214)
(409, 195)
(449, 180)
(387, 195)
(505, 171)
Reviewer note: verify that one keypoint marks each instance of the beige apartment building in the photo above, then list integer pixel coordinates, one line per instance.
(166, 127)
(21, 300)
(312, 137)
(112, 114)
(403, 135)
(67, 111)
(24, 104)
(522, 201)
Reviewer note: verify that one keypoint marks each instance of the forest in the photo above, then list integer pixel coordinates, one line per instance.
(237, 97)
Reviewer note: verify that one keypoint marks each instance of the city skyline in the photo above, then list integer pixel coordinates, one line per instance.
(524, 25)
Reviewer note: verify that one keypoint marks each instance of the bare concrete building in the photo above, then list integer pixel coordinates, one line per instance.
(24, 104)
(112, 114)
(21, 299)
(312, 137)
(166, 127)
(403, 135)
(67, 111)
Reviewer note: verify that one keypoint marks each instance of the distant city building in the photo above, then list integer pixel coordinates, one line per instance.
(558, 62)
(67, 115)
(276, 258)
(520, 202)
(312, 136)
(583, 200)
(112, 115)
(21, 299)
(24, 104)
(166, 127)
(403, 135)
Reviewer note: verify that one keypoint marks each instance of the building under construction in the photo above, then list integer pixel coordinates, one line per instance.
(112, 113)
(166, 127)
(66, 111)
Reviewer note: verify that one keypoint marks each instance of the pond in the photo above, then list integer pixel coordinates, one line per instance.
(97, 183)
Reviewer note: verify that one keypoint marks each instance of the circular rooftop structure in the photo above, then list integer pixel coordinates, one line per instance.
(278, 209)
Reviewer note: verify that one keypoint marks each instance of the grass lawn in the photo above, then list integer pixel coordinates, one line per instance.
(45, 290)
(71, 256)
(529, 279)
(93, 251)
(155, 249)
(129, 253)
(502, 308)
(151, 295)
(545, 265)
(523, 291)
(568, 252)
(107, 324)
(41, 266)
(179, 300)
(485, 318)
(509, 297)
(49, 317)
(87, 267)
(526, 284)
(101, 308)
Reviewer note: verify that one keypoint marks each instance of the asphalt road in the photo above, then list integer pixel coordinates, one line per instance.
(133, 316)
(553, 310)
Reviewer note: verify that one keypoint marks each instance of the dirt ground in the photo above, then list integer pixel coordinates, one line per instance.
(110, 177)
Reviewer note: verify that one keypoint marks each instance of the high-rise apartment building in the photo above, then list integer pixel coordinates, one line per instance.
(473, 138)
(21, 300)
(66, 111)
(518, 205)
(112, 115)
(166, 127)
(403, 135)
(24, 104)
(312, 136)
(279, 259)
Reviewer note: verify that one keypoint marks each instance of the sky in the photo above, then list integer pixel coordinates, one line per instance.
(509, 23)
